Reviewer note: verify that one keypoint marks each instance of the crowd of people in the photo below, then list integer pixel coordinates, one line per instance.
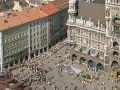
(29, 71)
(33, 71)
(58, 46)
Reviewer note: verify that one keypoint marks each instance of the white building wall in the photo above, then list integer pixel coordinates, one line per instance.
(1, 50)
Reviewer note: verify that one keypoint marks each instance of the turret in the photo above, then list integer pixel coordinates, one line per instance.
(72, 11)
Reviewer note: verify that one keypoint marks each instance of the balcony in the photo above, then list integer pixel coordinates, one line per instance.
(93, 26)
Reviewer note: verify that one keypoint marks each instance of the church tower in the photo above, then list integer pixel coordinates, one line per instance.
(71, 21)
(72, 11)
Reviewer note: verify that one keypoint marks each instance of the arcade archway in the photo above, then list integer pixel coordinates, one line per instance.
(74, 57)
(115, 43)
(91, 63)
(16, 62)
(11, 64)
(82, 60)
(36, 53)
(115, 53)
(114, 64)
(100, 66)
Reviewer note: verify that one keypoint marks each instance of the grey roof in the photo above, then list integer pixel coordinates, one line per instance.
(36, 1)
(94, 11)
(99, 1)
(96, 1)
(61, 4)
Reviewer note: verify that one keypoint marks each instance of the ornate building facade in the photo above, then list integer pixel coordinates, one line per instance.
(92, 27)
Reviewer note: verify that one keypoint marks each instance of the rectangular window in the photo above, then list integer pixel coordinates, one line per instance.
(37, 33)
(34, 47)
(34, 35)
(37, 39)
(37, 45)
(34, 40)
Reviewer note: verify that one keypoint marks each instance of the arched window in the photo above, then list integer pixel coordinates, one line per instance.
(114, 63)
(115, 43)
(115, 53)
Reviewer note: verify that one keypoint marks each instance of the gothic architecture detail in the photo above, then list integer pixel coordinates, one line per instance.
(92, 31)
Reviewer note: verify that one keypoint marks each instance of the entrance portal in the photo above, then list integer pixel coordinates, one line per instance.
(114, 64)
(115, 53)
(74, 57)
(91, 63)
(100, 66)
(115, 44)
(82, 60)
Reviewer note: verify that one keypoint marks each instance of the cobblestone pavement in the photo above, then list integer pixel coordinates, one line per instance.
(58, 79)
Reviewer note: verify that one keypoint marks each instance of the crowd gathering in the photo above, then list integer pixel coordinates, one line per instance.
(29, 71)
(33, 71)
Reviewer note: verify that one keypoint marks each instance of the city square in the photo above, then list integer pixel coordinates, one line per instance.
(60, 44)
(56, 76)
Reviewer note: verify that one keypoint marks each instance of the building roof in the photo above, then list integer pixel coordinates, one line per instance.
(49, 8)
(61, 4)
(15, 86)
(95, 1)
(20, 17)
(2, 86)
(36, 1)
(94, 11)
(99, 1)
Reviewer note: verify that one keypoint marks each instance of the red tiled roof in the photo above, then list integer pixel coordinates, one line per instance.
(49, 8)
(2, 86)
(27, 15)
(21, 17)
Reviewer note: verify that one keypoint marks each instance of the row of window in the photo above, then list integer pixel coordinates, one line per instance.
(94, 36)
(89, 42)
(15, 30)
(15, 50)
(41, 34)
(14, 43)
(14, 37)
(8, 58)
(38, 28)
(38, 22)
(39, 45)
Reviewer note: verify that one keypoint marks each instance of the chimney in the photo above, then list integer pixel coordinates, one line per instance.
(4, 20)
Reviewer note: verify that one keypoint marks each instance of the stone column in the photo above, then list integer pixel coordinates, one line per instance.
(24, 59)
(14, 63)
(38, 52)
(34, 55)
(18, 61)
(43, 50)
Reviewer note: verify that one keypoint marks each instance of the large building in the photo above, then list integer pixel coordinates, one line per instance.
(23, 34)
(28, 32)
(17, 36)
(93, 32)
(63, 16)
(53, 21)
(58, 27)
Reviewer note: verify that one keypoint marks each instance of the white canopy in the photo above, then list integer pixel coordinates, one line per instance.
(72, 1)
